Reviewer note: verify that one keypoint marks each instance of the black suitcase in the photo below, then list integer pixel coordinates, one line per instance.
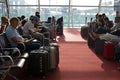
(84, 32)
(38, 63)
(99, 46)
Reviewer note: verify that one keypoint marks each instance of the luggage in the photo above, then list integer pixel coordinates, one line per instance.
(117, 52)
(84, 32)
(57, 49)
(90, 42)
(54, 55)
(53, 61)
(99, 46)
(38, 63)
(108, 52)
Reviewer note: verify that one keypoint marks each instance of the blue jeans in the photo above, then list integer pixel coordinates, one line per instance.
(30, 46)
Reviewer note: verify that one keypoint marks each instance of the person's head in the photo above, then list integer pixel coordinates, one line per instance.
(103, 15)
(19, 18)
(96, 16)
(106, 20)
(100, 17)
(30, 18)
(4, 20)
(22, 17)
(14, 22)
(34, 19)
(37, 14)
(117, 20)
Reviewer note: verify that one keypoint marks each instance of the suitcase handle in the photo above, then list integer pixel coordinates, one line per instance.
(44, 42)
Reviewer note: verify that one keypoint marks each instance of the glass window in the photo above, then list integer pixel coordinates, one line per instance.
(58, 12)
(107, 3)
(78, 13)
(79, 16)
(44, 2)
(3, 11)
(117, 5)
(23, 2)
(110, 13)
(18, 11)
(85, 2)
(54, 2)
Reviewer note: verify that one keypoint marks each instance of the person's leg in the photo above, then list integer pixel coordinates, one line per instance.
(93, 35)
(38, 36)
(32, 46)
(110, 37)
(21, 47)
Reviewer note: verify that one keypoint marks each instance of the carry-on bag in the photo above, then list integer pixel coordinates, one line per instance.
(57, 49)
(38, 63)
(108, 52)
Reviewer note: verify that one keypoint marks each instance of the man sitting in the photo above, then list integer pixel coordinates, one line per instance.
(29, 29)
(15, 38)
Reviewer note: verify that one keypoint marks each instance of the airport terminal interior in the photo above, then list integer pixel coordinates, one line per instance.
(59, 39)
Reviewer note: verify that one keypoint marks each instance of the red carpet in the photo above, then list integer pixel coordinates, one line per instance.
(71, 35)
(78, 62)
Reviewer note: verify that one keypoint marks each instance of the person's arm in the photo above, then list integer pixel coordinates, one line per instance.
(16, 40)
(34, 30)
(23, 41)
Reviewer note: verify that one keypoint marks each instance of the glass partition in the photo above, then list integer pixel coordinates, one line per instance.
(54, 2)
(85, 2)
(75, 12)
(2, 10)
(107, 3)
(23, 2)
(18, 11)
(54, 11)
(79, 16)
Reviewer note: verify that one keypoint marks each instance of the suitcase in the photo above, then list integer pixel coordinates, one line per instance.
(53, 61)
(38, 63)
(57, 49)
(117, 52)
(53, 55)
(90, 42)
(99, 46)
(84, 32)
(108, 52)
(53, 52)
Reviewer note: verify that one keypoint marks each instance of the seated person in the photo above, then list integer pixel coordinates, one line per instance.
(29, 29)
(15, 38)
(4, 24)
(116, 24)
(108, 36)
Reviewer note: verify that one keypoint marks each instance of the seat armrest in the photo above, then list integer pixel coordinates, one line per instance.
(6, 63)
(14, 52)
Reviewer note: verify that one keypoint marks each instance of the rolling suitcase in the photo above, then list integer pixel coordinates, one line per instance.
(53, 61)
(57, 49)
(38, 63)
(108, 52)
(53, 55)
(84, 32)
(53, 51)
(99, 46)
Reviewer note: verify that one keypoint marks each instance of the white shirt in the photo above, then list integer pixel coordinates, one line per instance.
(28, 26)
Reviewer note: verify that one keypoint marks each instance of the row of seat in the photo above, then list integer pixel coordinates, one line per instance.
(10, 56)
(99, 45)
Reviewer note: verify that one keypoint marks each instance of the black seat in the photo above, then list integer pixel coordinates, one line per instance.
(12, 54)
